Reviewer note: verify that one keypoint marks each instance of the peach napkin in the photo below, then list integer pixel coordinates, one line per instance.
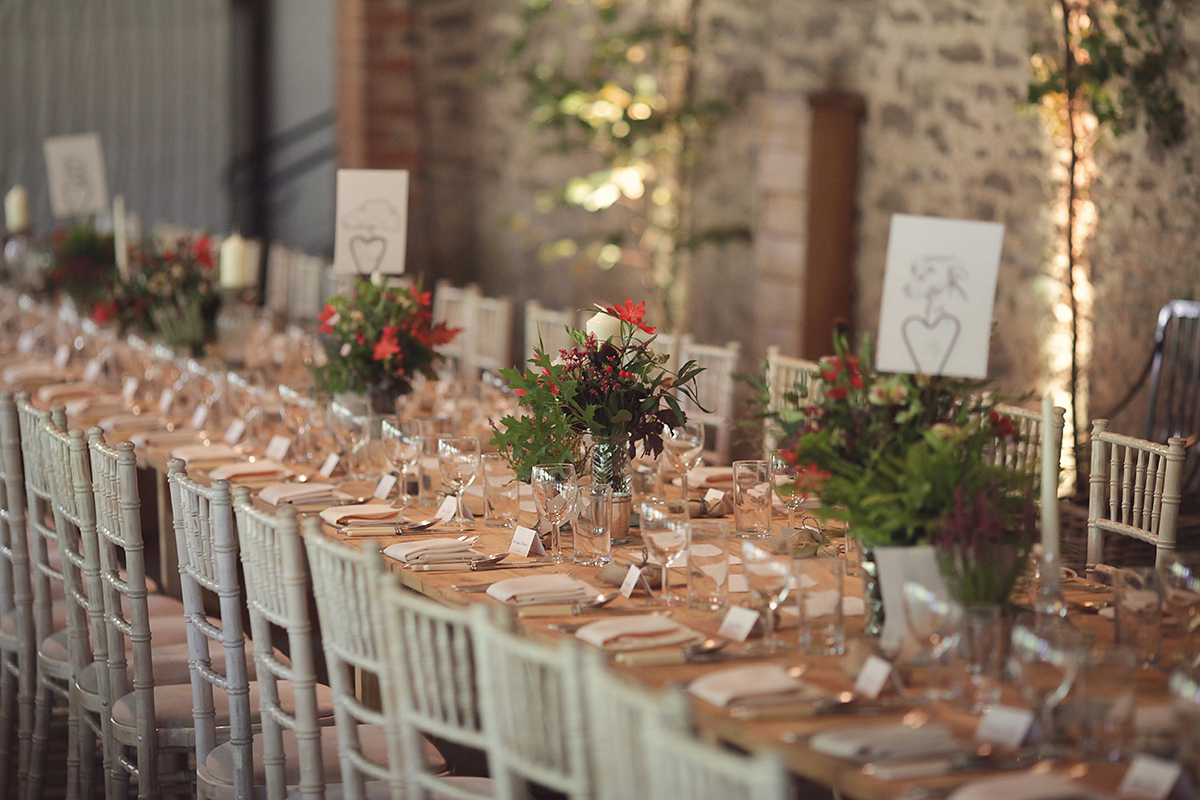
(278, 494)
(250, 470)
(431, 551)
(886, 742)
(206, 453)
(728, 686)
(341, 515)
(532, 589)
(636, 633)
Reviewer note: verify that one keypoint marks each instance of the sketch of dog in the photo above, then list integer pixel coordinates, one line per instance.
(934, 279)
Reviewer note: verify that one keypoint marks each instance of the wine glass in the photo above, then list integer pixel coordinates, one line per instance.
(555, 490)
(1182, 578)
(788, 482)
(458, 459)
(934, 621)
(401, 448)
(767, 564)
(352, 432)
(683, 445)
(297, 410)
(666, 532)
(1044, 663)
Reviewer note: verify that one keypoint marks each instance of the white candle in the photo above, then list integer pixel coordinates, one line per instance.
(1050, 459)
(120, 232)
(603, 326)
(16, 210)
(233, 261)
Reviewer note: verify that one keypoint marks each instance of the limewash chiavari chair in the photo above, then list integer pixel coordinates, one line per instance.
(533, 711)
(491, 335)
(714, 392)
(685, 768)
(785, 374)
(18, 647)
(1023, 451)
(1135, 490)
(547, 327)
(456, 307)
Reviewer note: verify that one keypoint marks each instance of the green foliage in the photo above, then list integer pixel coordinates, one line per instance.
(83, 264)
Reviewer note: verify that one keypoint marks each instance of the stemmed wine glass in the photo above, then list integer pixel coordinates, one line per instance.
(666, 531)
(683, 445)
(767, 564)
(401, 448)
(934, 621)
(458, 459)
(555, 490)
(352, 432)
(788, 486)
(1044, 662)
(297, 410)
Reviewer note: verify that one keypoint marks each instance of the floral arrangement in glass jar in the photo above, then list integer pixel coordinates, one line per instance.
(377, 339)
(611, 384)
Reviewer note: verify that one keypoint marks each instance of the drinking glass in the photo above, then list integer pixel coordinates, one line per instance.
(767, 564)
(1181, 576)
(351, 430)
(593, 525)
(666, 532)
(787, 486)
(1107, 683)
(501, 491)
(401, 448)
(752, 499)
(933, 621)
(1044, 664)
(555, 491)
(458, 458)
(683, 445)
(1138, 601)
(708, 565)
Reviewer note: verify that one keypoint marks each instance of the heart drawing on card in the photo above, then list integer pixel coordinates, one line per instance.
(367, 252)
(930, 343)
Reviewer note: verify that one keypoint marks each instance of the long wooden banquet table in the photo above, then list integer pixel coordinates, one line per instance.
(784, 731)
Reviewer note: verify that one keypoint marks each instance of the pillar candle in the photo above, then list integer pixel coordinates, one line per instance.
(16, 210)
(120, 237)
(604, 326)
(1050, 459)
(233, 261)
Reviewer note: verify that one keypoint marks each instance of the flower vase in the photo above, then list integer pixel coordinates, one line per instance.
(610, 464)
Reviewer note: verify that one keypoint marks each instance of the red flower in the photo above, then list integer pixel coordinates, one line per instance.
(837, 392)
(830, 369)
(1003, 424)
(202, 251)
(632, 314)
(325, 318)
(361, 338)
(102, 312)
(387, 344)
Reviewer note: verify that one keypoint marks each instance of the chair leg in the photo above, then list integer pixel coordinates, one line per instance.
(74, 746)
(26, 702)
(43, 705)
(118, 778)
(8, 707)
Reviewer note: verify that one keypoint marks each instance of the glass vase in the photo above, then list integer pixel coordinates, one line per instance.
(610, 465)
(872, 594)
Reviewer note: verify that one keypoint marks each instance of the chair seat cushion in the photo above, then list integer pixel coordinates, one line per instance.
(165, 631)
(173, 706)
(218, 768)
(160, 607)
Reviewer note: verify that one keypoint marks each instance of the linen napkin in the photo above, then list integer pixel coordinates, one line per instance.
(162, 439)
(754, 682)
(885, 742)
(59, 393)
(38, 372)
(636, 633)
(128, 422)
(250, 470)
(531, 589)
(205, 453)
(1025, 786)
(301, 494)
(342, 515)
(431, 551)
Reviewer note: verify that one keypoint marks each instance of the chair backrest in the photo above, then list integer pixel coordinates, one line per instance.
(714, 391)
(346, 583)
(207, 547)
(456, 307)
(686, 767)
(277, 592)
(786, 375)
(532, 701)
(619, 714)
(1134, 491)
(547, 327)
(431, 659)
(491, 337)
(124, 587)
(1022, 452)
(16, 593)
(1173, 405)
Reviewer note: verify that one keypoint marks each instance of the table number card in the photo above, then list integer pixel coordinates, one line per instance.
(738, 623)
(372, 221)
(277, 448)
(939, 286)
(75, 171)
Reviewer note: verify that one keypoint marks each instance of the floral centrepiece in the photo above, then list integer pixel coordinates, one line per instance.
(377, 339)
(83, 264)
(614, 387)
(908, 459)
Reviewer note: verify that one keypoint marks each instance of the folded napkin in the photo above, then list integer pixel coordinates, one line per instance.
(1025, 786)
(278, 494)
(39, 372)
(160, 439)
(431, 551)
(99, 405)
(636, 633)
(342, 515)
(700, 508)
(58, 393)
(885, 742)
(129, 422)
(533, 589)
(711, 478)
(250, 470)
(755, 682)
(206, 453)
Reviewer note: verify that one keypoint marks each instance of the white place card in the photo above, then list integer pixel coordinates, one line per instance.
(385, 486)
(62, 356)
(522, 541)
(277, 448)
(1150, 778)
(372, 221)
(714, 496)
(91, 371)
(166, 400)
(329, 465)
(447, 509)
(632, 576)
(199, 417)
(738, 583)
(738, 623)
(872, 677)
(234, 432)
(75, 171)
(1004, 725)
(26, 342)
(939, 286)
(129, 388)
